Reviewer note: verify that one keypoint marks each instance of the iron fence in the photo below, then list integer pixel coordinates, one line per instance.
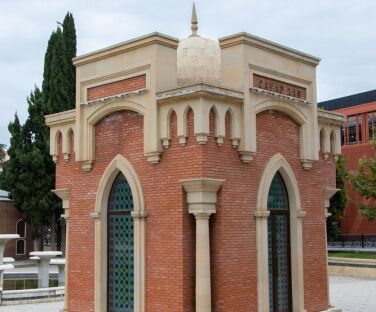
(353, 241)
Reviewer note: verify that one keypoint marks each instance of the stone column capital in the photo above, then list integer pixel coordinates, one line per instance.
(202, 195)
(328, 193)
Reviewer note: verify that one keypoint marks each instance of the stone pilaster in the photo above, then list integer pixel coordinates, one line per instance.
(202, 199)
(63, 194)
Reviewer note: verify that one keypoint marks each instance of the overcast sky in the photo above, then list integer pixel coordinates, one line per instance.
(341, 32)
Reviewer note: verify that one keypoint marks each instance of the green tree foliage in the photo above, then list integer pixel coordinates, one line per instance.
(339, 200)
(2, 153)
(70, 42)
(364, 183)
(56, 89)
(29, 175)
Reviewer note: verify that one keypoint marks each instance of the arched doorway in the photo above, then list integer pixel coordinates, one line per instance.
(120, 247)
(279, 262)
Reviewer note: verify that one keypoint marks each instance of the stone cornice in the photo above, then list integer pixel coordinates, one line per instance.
(278, 95)
(330, 117)
(139, 42)
(200, 90)
(113, 98)
(248, 39)
(65, 117)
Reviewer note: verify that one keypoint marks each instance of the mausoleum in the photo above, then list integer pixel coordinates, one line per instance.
(192, 178)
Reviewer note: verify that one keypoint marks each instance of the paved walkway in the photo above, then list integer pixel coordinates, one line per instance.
(348, 293)
(353, 294)
(34, 307)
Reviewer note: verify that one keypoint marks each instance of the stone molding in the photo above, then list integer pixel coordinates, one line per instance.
(119, 164)
(279, 164)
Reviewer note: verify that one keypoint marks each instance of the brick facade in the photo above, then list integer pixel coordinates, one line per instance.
(116, 88)
(170, 238)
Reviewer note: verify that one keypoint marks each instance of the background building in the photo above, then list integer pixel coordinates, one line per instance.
(11, 222)
(356, 134)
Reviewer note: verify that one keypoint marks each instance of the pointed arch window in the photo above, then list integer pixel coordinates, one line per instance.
(280, 295)
(120, 253)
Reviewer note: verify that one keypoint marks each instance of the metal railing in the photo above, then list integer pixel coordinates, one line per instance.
(353, 241)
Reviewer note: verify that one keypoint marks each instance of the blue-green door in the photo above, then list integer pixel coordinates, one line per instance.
(279, 247)
(120, 273)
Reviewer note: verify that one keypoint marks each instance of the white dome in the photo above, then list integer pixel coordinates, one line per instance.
(198, 59)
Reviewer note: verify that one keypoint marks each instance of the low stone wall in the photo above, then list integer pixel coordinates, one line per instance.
(352, 267)
(10, 297)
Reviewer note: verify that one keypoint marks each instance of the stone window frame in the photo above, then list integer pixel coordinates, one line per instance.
(279, 164)
(119, 164)
(22, 238)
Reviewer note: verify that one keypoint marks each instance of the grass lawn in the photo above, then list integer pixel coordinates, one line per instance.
(358, 255)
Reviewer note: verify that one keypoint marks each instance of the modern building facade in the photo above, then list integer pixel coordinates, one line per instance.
(191, 177)
(356, 135)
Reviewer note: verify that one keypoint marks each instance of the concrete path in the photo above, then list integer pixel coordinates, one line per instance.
(34, 307)
(353, 294)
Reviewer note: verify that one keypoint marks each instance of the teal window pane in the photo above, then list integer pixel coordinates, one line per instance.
(277, 198)
(120, 248)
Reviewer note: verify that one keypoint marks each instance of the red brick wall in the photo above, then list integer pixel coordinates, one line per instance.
(170, 230)
(117, 87)
(352, 222)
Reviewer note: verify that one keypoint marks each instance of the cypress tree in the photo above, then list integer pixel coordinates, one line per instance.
(57, 97)
(70, 42)
(29, 175)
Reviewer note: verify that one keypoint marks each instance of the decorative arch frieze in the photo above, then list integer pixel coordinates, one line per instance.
(279, 164)
(330, 132)
(61, 124)
(119, 164)
(201, 111)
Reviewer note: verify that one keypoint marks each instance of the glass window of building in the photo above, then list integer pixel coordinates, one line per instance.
(359, 124)
(351, 126)
(371, 125)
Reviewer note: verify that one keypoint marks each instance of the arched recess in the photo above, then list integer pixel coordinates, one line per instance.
(308, 129)
(166, 128)
(54, 144)
(279, 164)
(335, 142)
(119, 164)
(88, 143)
(67, 142)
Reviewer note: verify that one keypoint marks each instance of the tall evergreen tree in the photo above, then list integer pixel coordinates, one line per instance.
(70, 42)
(30, 173)
(56, 96)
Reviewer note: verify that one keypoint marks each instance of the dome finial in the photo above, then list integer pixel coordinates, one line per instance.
(194, 22)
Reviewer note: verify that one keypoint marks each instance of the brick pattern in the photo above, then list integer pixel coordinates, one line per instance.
(170, 230)
(277, 86)
(117, 87)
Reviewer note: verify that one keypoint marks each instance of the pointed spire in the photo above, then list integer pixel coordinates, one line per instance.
(194, 21)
